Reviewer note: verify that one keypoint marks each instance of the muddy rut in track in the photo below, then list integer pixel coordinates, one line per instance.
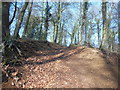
(74, 67)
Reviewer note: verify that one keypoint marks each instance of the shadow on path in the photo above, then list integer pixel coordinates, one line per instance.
(63, 55)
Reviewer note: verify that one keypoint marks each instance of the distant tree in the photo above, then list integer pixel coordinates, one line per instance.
(73, 34)
(54, 28)
(61, 34)
(33, 27)
(90, 33)
(98, 31)
(108, 37)
(65, 38)
(111, 40)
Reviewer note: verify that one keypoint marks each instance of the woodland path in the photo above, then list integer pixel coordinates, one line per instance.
(87, 69)
(80, 67)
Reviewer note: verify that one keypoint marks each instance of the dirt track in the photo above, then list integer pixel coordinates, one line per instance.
(80, 67)
(85, 70)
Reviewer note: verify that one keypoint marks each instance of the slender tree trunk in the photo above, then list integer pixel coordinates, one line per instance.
(41, 24)
(58, 22)
(32, 33)
(13, 14)
(119, 26)
(0, 23)
(56, 36)
(75, 40)
(90, 34)
(65, 41)
(98, 30)
(60, 32)
(5, 20)
(81, 23)
(54, 31)
(46, 21)
(60, 25)
(84, 22)
(82, 30)
(108, 32)
(85, 18)
(61, 35)
(104, 33)
(20, 19)
(78, 36)
(112, 40)
(27, 21)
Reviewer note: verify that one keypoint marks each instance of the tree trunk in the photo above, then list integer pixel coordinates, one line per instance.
(65, 36)
(84, 23)
(0, 22)
(5, 20)
(119, 26)
(40, 37)
(104, 33)
(90, 34)
(61, 35)
(27, 21)
(54, 31)
(58, 22)
(85, 18)
(81, 23)
(46, 21)
(82, 30)
(98, 31)
(20, 19)
(13, 14)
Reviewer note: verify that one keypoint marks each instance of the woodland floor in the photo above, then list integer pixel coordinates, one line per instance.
(45, 65)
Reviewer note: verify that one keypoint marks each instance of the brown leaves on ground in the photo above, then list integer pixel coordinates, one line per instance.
(46, 65)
